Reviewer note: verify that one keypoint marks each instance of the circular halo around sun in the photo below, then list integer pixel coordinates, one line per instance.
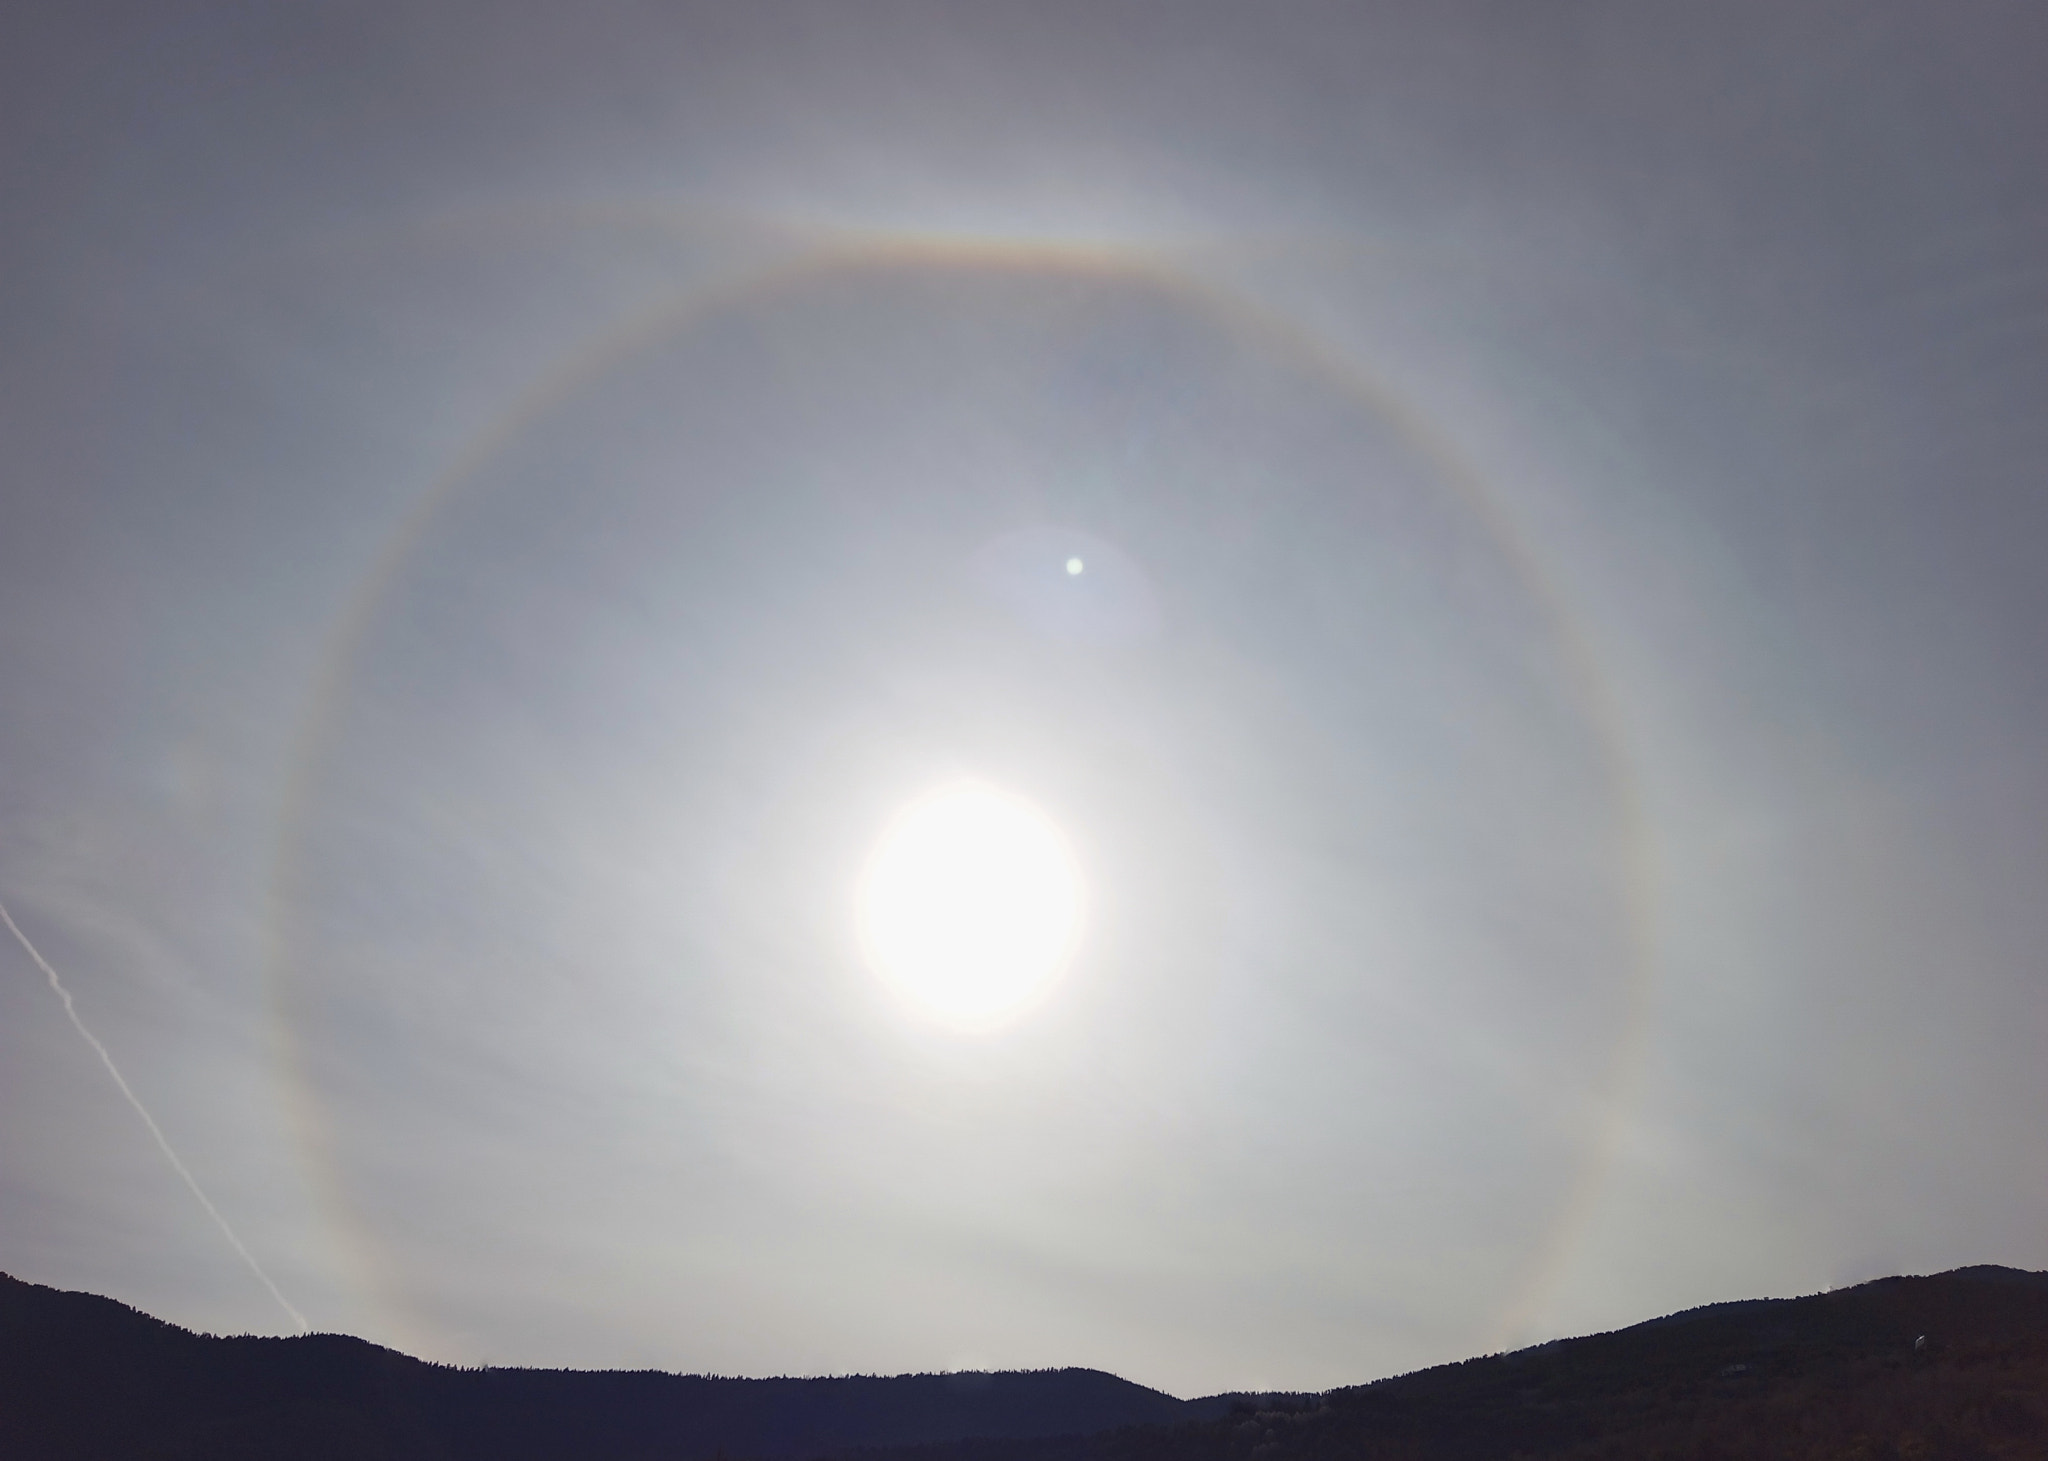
(971, 905)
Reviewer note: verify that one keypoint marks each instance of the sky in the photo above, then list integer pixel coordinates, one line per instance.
(505, 506)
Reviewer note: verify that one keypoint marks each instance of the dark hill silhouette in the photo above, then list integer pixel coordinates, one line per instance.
(84, 1378)
(1948, 1368)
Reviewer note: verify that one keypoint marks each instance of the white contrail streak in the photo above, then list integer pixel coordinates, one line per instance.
(163, 1142)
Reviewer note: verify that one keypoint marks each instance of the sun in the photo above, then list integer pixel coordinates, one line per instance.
(970, 906)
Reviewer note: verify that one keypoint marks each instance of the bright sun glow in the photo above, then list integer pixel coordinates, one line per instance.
(970, 906)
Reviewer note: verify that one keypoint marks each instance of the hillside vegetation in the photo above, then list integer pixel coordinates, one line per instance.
(83, 1378)
(1949, 1368)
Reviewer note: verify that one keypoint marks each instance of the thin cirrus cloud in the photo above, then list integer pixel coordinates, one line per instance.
(503, 514)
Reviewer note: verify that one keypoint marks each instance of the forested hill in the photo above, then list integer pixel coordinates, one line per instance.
(83, 1378)
(1949, 1368)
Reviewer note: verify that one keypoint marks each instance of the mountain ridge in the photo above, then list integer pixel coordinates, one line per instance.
(84, 1376)
(1953, 1367)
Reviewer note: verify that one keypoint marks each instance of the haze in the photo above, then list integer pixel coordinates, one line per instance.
(1501, 543)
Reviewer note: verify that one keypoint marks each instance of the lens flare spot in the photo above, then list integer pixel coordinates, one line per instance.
(971, 906)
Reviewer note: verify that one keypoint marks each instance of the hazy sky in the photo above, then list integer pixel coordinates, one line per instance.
(504, 503)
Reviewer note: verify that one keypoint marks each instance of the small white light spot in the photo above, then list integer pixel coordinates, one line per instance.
(1074, 565)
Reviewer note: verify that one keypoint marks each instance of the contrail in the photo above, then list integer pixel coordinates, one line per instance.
(163, 1142)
